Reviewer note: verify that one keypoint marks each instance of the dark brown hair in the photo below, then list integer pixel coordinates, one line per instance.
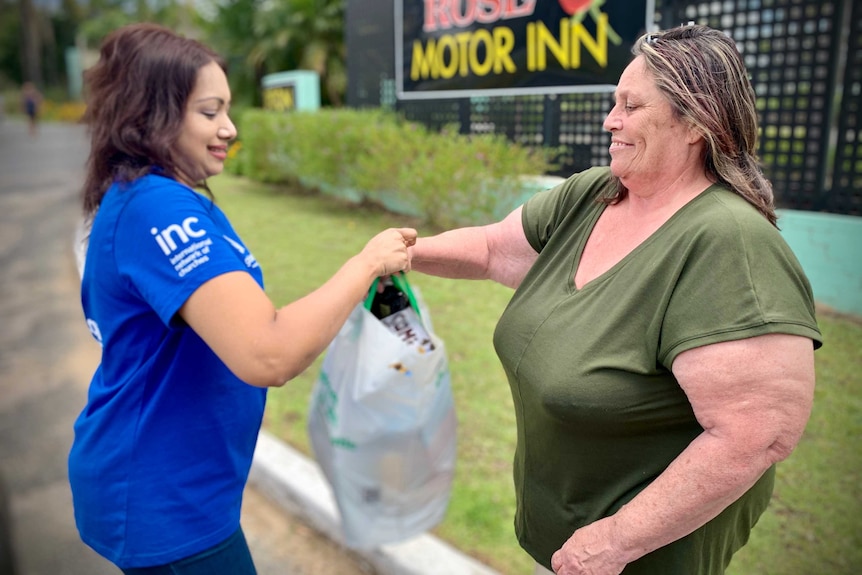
(701, 73)
(136, 100)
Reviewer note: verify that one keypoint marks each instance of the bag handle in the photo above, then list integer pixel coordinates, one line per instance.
(400, 281)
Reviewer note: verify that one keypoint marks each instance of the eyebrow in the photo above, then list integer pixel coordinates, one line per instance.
(218, 99)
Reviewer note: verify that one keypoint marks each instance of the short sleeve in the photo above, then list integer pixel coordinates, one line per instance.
(544, 212)
(169, 241)
(738, 278)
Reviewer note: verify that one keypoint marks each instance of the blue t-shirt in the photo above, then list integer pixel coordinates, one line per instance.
(163, 448)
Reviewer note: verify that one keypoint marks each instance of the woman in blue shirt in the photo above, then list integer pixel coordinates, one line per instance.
(190, 340)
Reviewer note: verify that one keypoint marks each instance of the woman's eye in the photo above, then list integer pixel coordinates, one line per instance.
(209, 115)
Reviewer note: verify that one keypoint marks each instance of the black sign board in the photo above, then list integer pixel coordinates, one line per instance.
(457, 48)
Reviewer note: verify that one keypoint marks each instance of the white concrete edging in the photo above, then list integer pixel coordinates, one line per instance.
(296, 483)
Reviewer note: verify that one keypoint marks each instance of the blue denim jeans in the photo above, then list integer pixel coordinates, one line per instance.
(230, 557)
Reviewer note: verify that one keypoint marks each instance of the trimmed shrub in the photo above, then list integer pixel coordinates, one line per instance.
(447, 179)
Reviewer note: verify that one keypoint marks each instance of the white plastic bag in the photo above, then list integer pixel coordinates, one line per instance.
(383, 429)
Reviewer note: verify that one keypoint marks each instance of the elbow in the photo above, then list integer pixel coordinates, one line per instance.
(275, 370)
(266, 382)
(262, 377)
(773, 447)
(751, 451)
(264, 371)
(784, 444)
(788, 432)
(269, 361)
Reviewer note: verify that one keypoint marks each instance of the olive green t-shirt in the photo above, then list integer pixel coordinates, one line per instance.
(599, 413)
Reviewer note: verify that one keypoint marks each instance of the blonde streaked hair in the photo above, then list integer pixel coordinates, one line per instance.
(701, 73)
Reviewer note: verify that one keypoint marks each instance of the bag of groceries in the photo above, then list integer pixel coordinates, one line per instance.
(382, 420)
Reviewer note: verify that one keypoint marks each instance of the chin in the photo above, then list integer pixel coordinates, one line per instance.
(616, 170)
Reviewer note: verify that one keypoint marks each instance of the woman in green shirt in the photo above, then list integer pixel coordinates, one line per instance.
(659, 343)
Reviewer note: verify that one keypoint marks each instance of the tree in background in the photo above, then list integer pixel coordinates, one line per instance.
(304, 35)
(258, 37)
(104, 16)
(31, 53)
(229, 30)
(10, 44)
(33, 39)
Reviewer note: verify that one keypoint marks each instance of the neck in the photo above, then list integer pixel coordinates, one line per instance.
(682, 187)
(661, 198)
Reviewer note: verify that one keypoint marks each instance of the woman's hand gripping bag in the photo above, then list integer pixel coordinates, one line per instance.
(382, 424)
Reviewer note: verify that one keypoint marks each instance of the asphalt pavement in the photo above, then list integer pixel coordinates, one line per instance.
(42, 346)
(47, 357)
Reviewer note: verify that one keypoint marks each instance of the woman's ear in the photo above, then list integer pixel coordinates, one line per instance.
(693, 135)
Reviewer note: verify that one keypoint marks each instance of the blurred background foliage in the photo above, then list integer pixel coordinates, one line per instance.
(258, 37)
(373, 156)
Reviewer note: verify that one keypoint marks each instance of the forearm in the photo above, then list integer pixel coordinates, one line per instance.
(753, 411)
(266, 347)
(498, 252)
(310, 323)
(699, 484)
(456, 254)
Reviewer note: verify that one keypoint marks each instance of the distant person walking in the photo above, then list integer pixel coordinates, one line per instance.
(31, 99)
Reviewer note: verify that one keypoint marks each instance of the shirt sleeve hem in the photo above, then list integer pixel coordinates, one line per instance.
(803, 330)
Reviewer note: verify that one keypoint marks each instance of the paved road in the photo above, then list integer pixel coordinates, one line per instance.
(47, 357)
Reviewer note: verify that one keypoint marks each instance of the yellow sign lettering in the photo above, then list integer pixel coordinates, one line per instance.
(485, 51)
(567, 50)
(280, 99)
(449, 54)
(597, 47)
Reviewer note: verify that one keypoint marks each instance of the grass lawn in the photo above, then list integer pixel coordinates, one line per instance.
(300, 240)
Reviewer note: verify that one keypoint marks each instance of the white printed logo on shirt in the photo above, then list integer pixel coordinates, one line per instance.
(183, 245)
(94, 329)
(187, 246)
(249, 260)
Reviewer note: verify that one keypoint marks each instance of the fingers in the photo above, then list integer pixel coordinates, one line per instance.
(389, 249)
(556, 561)
(408, 235)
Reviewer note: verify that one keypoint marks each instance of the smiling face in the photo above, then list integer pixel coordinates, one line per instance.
(206, 129)
(649, 145)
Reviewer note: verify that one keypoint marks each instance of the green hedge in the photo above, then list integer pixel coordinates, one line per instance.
(446, 179)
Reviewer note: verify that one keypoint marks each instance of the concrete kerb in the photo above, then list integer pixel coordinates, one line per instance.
(296, 483)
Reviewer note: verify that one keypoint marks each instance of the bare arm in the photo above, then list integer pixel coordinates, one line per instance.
(265, 346)
(753, 398)
(499, 252)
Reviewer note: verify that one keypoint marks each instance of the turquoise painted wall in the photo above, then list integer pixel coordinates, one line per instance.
(829, 247)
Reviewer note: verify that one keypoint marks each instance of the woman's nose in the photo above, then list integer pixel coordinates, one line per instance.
(611, 122)
(228, 131)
